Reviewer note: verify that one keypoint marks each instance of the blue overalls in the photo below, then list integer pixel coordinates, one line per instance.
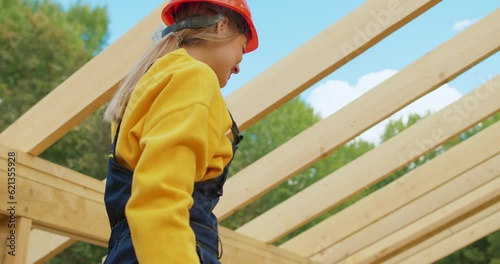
(203, 222)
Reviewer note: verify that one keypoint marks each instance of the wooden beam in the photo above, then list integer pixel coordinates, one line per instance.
(397, 152)
(57, 176)
(350, 221)
(80, 95)
(44, 245)
(66, 210)
(14, 235)
(57, 209)
(446, 61)
(241, 249)
(334, 47)
(412, 208)
(446, 240)
(39, 182)
(457, 240)
(486, 194)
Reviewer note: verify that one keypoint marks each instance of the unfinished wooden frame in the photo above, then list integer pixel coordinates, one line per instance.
(426, 214)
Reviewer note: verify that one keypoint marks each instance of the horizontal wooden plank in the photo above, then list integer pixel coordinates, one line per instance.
(79, 216)
(447, 61)
(44, 245)
(459, 208)
(59, 211)
(237, 249)
(339, 186)
(79, 96)
(56, 176)
(241, 249)
(445, 237)
(397, 194)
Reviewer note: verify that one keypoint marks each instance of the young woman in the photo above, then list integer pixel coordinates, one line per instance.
(170, 152)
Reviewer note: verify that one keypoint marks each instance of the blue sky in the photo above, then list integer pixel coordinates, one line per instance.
(284, 25)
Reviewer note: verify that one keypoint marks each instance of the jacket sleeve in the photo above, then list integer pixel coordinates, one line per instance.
(175, 152)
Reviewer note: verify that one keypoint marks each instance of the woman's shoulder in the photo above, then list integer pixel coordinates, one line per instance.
(180, 62)
(179, 77)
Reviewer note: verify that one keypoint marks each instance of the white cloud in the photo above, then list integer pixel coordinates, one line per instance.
(332, 95)
(463, 24)
(329, 97)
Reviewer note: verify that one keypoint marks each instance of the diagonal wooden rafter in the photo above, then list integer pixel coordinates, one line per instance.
(84, 95)
(348, 223)
(444, 242)
(399, 151)
(487, 222)
(454, 211)
(412, 207)
(426, 74)
(325, 53)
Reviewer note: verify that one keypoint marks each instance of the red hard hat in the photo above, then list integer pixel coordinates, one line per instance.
(240, 6)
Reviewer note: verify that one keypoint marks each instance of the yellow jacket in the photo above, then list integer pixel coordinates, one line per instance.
(173, 134)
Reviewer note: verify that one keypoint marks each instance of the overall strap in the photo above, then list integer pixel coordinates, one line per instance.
(115, 140)
(235, 131)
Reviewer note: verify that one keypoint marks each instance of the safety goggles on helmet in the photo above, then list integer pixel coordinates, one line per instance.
(201, 21)
(244, 23)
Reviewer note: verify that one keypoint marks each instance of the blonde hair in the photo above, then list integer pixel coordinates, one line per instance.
(173, 41)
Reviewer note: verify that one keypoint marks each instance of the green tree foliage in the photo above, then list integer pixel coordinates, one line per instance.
(41, 45)
(494, 247)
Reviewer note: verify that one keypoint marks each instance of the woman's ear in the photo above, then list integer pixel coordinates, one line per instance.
(222, 25)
